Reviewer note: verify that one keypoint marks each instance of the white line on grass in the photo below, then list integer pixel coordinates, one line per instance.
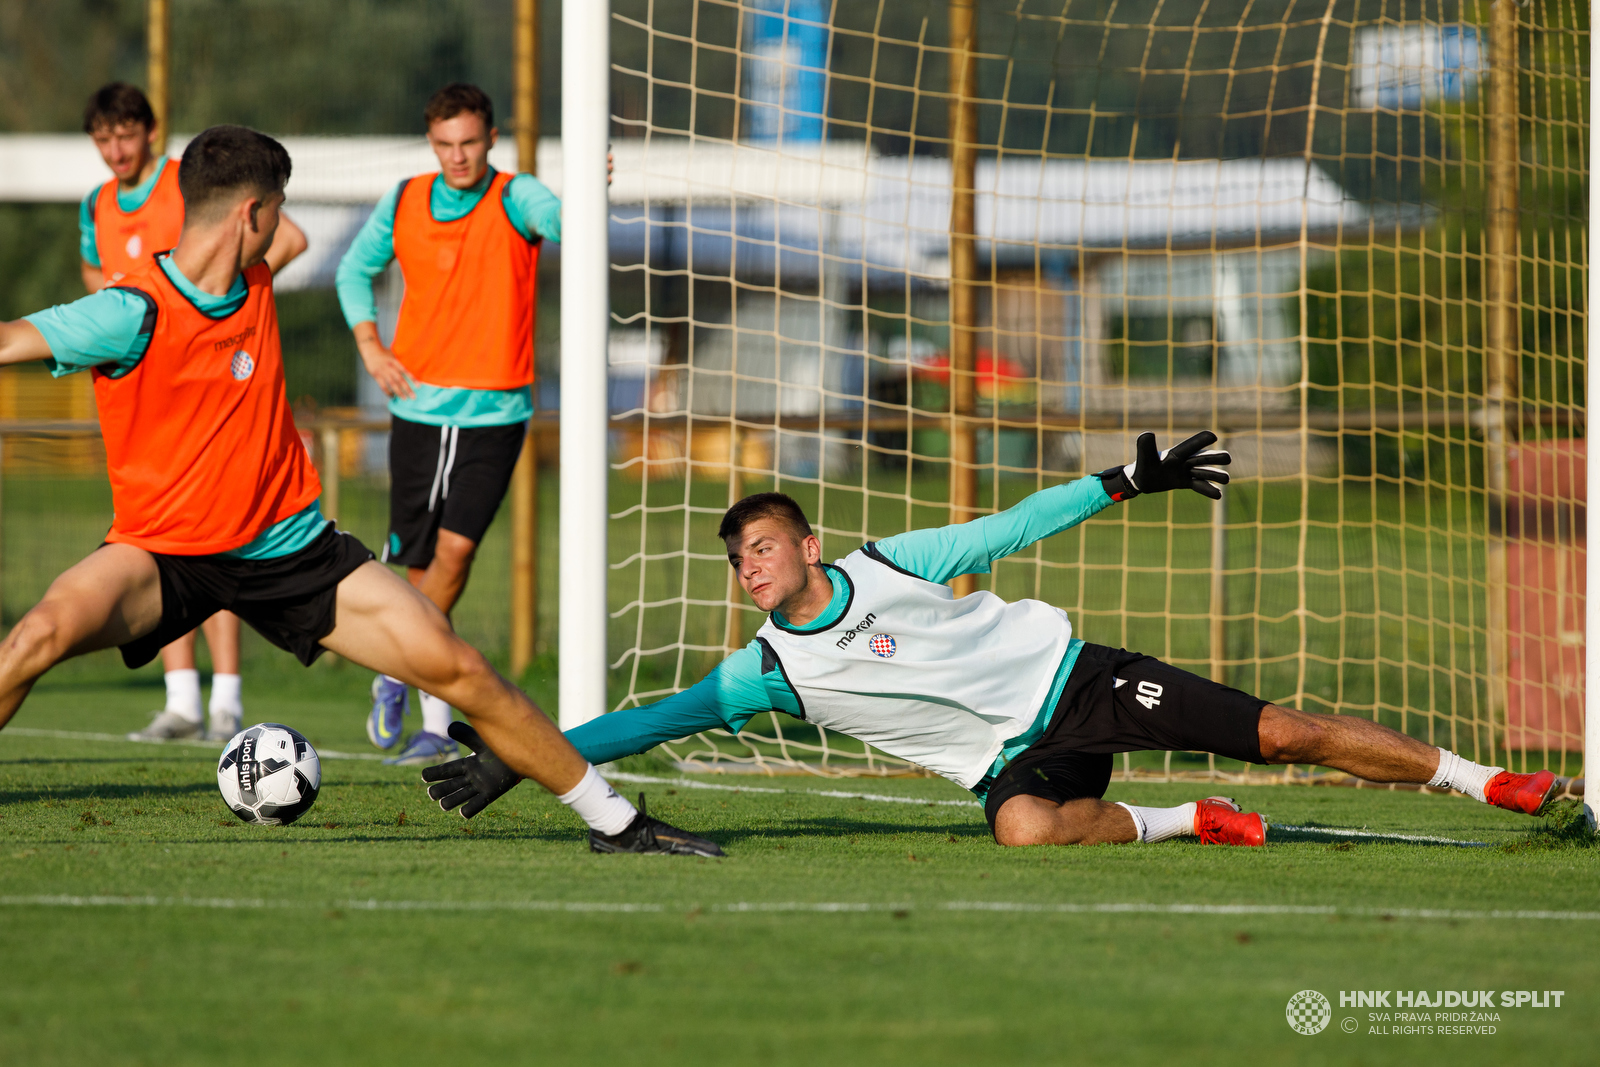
(77, 735)
(830, 794)
(810, 907)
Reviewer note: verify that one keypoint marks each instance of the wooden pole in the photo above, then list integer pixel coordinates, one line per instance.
(525, 478)
(733, 632)
(1219, 589)
(963, 271)
(1591, 604)
(1501, 338)
(329, 446)
(158, 33)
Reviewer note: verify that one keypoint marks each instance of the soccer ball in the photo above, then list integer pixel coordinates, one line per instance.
(269, 774)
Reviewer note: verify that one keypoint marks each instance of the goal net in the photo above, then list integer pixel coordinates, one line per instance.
(910, 262)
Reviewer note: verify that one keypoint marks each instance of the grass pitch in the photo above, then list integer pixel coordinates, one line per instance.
(143, 924)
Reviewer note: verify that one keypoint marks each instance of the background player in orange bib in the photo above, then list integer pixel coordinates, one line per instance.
(460, 372)
(121, 224)
(216, 500)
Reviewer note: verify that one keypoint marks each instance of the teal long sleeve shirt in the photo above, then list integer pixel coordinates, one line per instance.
(533, 210)
(736, 690)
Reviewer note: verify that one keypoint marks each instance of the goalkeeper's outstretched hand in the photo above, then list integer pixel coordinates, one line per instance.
(473, 782)
(1185, 466)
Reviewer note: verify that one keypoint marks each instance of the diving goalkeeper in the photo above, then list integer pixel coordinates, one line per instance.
(999, 697)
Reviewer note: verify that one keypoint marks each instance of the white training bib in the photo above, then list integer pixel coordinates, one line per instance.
(913, 671)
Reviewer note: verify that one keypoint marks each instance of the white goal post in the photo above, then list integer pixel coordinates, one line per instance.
(585, 315)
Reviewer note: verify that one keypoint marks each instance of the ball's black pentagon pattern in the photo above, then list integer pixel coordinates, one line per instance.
(269, 774)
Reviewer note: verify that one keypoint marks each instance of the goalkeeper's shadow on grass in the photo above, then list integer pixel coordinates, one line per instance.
(1352, 836)
(835, 827)
(47, 760)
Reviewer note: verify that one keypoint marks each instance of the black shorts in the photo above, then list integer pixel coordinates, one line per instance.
(1121, 701)
(289, 600)
(449, 477)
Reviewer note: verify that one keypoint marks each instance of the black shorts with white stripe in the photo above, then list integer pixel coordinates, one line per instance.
(445, 477)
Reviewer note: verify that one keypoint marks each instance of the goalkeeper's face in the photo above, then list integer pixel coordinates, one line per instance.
(774, 566)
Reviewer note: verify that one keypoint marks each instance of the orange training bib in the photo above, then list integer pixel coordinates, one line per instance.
(467, 317)
(126, 239)
(201, 449)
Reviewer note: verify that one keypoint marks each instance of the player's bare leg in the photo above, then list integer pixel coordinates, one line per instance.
(442, 582)
(1369, 750)
(183, 715)
(1030, 820)
(1034, 820)
(445, 576)
(385, 624)
(222, 638)
(1346, 743)
(106, 600)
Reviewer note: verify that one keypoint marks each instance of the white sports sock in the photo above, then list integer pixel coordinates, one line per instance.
(183, 694)
(598, 804)
(225, 693)
(1158, 824)
(1462, 775)
(392, 680)
(435, 715)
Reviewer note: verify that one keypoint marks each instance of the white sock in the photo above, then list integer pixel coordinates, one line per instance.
(435, 715)
(1158, 824)
(598, 804)
(183, 694)
(225, 693)
(392, 680)
(1462, 775)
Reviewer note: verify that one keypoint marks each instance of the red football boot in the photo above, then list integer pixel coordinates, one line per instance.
(1218, 821)
(1527, 793)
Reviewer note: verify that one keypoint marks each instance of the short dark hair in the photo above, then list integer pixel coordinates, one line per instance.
(778, 506)
(456, 98)
(230, 159)
(118, 104)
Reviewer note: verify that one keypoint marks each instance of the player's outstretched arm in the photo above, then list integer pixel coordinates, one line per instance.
(21, 342)
(474, 782)
(943, 552)
(972, 547)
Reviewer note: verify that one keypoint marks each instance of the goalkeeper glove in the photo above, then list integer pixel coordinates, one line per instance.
(1183, 466)
(471, 783)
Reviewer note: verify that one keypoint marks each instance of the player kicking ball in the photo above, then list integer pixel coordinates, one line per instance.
(216, 499)
(120, 224)
(998, 697)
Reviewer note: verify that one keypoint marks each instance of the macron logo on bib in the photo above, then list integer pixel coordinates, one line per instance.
(855, 631)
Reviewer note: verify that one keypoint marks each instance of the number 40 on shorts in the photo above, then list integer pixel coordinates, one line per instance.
(1149, 694)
